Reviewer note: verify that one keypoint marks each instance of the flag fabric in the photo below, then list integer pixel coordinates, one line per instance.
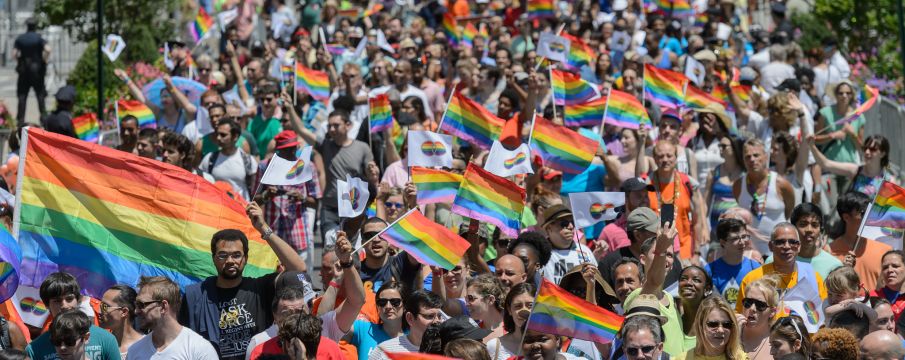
(286, 73)
(313, 82)
(505, 162)
(450, 28)
(871, 95)
(557, 311)
(540, 9)
(696, 98)
(373, 10)
(663, 87)
(381, 114)
(471, 122)
(428, 242)
(675, 8)
(282, 171)
(589, 208)
(742, 91)
(486, 197)
(137, 109)
(561, 148)
(430, 149)
(804, 299)
(108, 216)
(888, 208)
(571, 89)
(624, 110)
(10, 263)
(468, 35)
(585, 114)
(580, 54)
(435, 186)
(201, 26)
(353, 196)
(336, 49)
(695, 70)
(719, 93)
(86, 127)
(552, 47)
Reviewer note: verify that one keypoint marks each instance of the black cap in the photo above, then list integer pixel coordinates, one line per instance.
(31, 22)
(792, 85)
(66, 94)
(635, 184)
(778, 8)
(461, 327)
(175, 43)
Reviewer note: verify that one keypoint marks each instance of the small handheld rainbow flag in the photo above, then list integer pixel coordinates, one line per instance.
(696, 98)
(585, 114)
(562, 149)
(570, 89)
(471, 122)
(137, 109)
(315, 83)
(451, 28)
(718, 93)
(871, 95)
(888, 208)
(286, 72)
(539, 9)
(580, 54)
(489, 198)
(428, 242)
(435, 186)
(86, 127)
(663, 87)
(557, 311)
(202, 24)
(381, 115)
(468, 35)
(674, 8)
(742, 91)
(336, 49)
(373, 10)
(624, 110)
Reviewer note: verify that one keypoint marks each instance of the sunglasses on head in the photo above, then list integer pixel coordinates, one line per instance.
(758, 305)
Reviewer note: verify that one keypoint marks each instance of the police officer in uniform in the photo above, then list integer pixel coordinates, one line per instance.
(31, 53)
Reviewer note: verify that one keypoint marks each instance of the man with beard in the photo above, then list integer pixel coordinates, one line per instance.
(228, 309)
(672, 186)
(156, 306)
(769, 196)
(379, 266)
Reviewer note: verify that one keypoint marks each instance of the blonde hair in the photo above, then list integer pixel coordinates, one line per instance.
(767, 285)
(162, 288)
(489, 285)
(733, 347)
(841, 280)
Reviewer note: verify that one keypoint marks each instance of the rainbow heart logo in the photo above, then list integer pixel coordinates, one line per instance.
(433, 148)
(354, 195)
(597, 209)
(296, 169)
(557, 47)
(811, 310)
(33, 306)
(518, 159)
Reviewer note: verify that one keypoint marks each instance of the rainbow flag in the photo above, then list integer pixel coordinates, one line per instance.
(696, 98)
(373, 10)
(286, 72)
(742, 91)
(557, 311)
(624, 110)
(561, 148)
(431, 243)
(86, 127)
(580, 54)
(450, 28)
(336, 49)
(381, 115)
(888, 209)
(570, 89)
(137, 109)
(11, 257)
(719, 93)
(871, 95)
(117, 216)
(663, 87)
(539, 9)
(468, 35)
(489, 198)
(674, 8)
(471, 122)
(435, 186)
(315, 83)
(585, 114)
(202, 24)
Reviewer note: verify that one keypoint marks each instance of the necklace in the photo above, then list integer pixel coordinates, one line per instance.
(758, 203)
(675, 188)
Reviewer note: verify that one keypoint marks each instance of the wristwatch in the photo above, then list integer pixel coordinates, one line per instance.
(347, 264)
(266, 234)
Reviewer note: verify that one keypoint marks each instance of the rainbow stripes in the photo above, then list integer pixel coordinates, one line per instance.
(580, 54)
(468, 35)
(888, 209)
(202, 24)
(489, 198)
(381, 114)
(471, 122)
(624, 110)
(869, 93)
(674, 8)
(557, 311)
(336, 49)
(435, 186)
(10, 255)
(540, 9)
(562, 149)
(137, 109)
(696, 98)
(117, 216)
(570, 89)
(663, 87)
(450, 28)
(315, 83)
(585, 114)
(86, 127)
(742, 91)
(428, 242)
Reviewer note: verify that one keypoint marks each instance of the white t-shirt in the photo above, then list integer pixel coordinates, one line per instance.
(188, 346)
(399, 344)
(232, 169)
(773, 74)
(561, 261)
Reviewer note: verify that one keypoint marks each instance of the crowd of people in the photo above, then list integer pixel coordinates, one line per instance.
(768, 193)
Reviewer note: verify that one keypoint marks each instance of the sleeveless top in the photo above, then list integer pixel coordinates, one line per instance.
(869, 185)
(722, 200)
(771, 210)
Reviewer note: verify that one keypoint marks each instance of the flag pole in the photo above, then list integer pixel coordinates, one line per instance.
(558, 31)
(553, 91)
(385, 229)
(533, 122)
(864, 219)
(452, 93)
(606, 107)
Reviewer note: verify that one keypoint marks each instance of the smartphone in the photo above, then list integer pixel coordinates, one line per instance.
(667, 213)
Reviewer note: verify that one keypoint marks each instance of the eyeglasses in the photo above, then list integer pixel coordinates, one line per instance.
(393, 205)
(565, 223)
(433, 317)
(204, 70)
(758, 305)
(716, 324)
(107, 308)
(266, 99)
(782, 242)
(634, 351)
(369, 235)
(394, 302)
(233, 256)
(742, 238)
(141, 305)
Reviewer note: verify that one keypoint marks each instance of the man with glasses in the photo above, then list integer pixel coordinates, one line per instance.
(641, 223)
(118, 315)
(809, 220)
(422, 309)
(642, 336)
(865, 259)
(732, 266)
(785, 245)
(567, 253)
(157, 306)
(73, 337)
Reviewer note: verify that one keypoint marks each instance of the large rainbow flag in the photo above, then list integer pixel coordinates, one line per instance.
(570, 89)
(435, 185)
(888, 209)
(201, 26)
(489, 198)
(539, 9)
(431, 243)
(86, 127)
(585, 114)
(108, 217)
(664, 87)
(315, 83)
(471, 122)
(137, 109)
(624, 110)
(561, 148)
(673, 8)
(557, 311)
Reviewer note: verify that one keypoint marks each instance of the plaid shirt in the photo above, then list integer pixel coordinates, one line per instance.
(284, 215)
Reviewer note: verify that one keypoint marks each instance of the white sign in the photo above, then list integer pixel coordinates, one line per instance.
(114, 46)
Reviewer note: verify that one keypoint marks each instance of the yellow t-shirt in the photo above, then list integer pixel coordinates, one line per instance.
(787, 281)
(689, 355)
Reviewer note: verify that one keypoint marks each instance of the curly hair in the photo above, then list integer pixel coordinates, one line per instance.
(489, 285)
(836, 344)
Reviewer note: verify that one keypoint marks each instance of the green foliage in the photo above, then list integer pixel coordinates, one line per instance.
(84, 78)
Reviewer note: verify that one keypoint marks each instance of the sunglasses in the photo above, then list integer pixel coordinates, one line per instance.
(368, 235)
(758, 305)
(204, 70)
(503, 243)
(67, 342)
(394, 302)
(392, 205)
(635, 351)
(716, 324)
(781, 242)
(565, 223)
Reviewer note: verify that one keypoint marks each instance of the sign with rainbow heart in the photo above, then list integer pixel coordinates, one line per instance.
(804, 299)
(505, 162)
(589, 208)
(429, 149)
(353, 196)
(281, 171)
(27, 301)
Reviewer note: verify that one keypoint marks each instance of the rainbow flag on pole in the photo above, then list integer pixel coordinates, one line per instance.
(489, 198)
(86, 127)
(696, 98)
(585, 114)
(561, 148)
(664, 87)
(315, 83)
(381, 115)
(871, 95)
(202, 24)
(570, 89)
(431, 243)
(742, 91)
(137, 109)
(116, 216)
(450, 28)
(557, 311)
(10, 263)
(471, 122)
(468, 35)
(624, 110)
(435, 186)
(888, 208)
(580, 54)
(539, 9)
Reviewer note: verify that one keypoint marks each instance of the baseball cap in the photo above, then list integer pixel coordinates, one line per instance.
(460, 327)
(645, 304)
(791, 84)
(643, 218)
(556, 212)
(66, 93)
(635, 184)
(295, 278)
(705, 55)
(286, 139)
(671, 113)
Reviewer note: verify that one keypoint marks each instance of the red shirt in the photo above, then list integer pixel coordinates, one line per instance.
(326, 349)
(896, 300)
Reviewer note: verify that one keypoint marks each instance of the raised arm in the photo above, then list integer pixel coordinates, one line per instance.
(351, 284)
(296, 122)
(287, 255)
(835, 167)
(656, 276)
(133, 87)
(179, 97)
(240, 77)
(801, 162)
(641, 166)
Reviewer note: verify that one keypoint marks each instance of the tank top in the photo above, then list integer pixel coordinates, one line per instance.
(869, 185)
(770, 211)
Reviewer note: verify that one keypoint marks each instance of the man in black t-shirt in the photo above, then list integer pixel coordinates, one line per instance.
(31, 53)
(379, 266)
(228, 309)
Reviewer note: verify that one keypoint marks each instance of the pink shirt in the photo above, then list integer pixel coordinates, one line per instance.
(396, 174)
(614, 235)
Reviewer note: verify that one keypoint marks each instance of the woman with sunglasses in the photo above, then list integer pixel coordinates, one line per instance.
(694, 286)
(517, 306)
(865, 178)
(789, 335)
(390, 203)
(758, 308)
(365, 335)
(717, 332)
(892, 272)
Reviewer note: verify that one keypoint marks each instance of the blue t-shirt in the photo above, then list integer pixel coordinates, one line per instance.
(726, 278)
(366, 336)
(101, 345)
